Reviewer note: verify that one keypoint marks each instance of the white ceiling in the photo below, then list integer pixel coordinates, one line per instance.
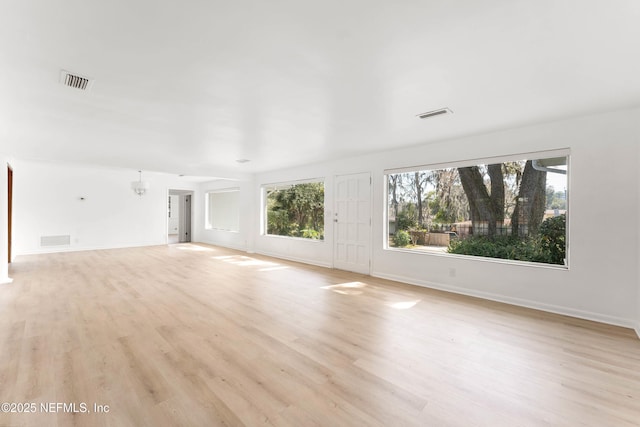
(189, 86)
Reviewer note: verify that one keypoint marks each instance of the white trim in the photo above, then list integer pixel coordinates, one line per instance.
(301, 239)
(6, 281)
(479, 258)
(566, 311)
(224, 245)
(223, 190)
(288, 184)
(90, 248)
(294, 259)
(637, 329)
(561, 152)
(103, 248)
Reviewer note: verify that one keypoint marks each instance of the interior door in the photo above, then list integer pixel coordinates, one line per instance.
(352, 223)
(186, 236)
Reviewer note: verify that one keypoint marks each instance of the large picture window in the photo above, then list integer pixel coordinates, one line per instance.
(223, 210)
(295, 210)
(513, 209)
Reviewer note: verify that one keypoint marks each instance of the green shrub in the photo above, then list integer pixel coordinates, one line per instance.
(552, 239)
(401, 238)
(548, 247)
(503, 247)
(310, 233)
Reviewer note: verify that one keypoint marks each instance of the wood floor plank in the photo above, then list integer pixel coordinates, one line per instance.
(192, 335)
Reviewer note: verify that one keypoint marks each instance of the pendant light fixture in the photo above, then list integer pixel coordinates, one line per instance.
(140, 187)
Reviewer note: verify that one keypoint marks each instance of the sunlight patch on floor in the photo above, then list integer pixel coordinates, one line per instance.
(245, 261)
(403, 305)
(348, 288)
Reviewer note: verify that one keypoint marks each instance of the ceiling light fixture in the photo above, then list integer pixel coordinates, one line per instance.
(140, 187)
(434, 113)
(243, 160)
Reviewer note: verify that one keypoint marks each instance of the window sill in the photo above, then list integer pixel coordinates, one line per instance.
(482, 259)
(300, 239)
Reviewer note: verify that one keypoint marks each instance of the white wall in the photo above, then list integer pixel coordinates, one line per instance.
(602, 282)
(47, 203)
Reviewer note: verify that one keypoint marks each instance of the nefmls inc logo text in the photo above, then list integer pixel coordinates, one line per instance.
(54, 407)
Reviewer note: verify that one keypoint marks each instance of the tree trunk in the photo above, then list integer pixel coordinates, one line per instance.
(530, 203)
(418, 185)
(497, 193)
(484, 207)
(393, 186)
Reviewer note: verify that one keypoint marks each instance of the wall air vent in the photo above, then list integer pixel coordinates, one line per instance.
(55, 240)
(434, 113)
(74, 80)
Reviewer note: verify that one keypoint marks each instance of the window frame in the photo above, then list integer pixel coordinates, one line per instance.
(561, 152)
(264, 188)
(207, 215)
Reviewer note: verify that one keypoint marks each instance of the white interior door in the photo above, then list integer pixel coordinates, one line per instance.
(352, 223)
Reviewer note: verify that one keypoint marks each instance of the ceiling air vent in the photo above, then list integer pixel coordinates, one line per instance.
(74, 80)
(434, 113)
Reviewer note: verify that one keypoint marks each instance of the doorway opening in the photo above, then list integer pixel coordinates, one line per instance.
(179, 216)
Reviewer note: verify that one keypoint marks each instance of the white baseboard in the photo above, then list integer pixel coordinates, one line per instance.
(224, 245)
(6, 280)
(54, 250)
(567, 311)
(269, 254)
(295, 259)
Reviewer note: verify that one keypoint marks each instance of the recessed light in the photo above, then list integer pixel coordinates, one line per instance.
(434, 113)
(243, 160)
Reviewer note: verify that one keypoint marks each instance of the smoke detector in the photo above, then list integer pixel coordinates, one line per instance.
(434, 113)
(75, 80)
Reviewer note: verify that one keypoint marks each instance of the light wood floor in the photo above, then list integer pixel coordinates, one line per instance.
(201, 336)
